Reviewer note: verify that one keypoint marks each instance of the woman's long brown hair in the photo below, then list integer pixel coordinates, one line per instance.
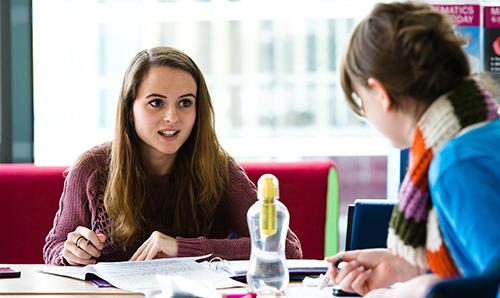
(198, 174)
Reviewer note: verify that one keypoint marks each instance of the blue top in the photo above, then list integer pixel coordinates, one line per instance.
(464, 180)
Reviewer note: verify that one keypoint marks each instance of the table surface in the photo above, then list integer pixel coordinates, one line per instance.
(33, 282)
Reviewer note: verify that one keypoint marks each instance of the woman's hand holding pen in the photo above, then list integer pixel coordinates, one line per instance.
(369, 269)
(83, 246)
(157, 246)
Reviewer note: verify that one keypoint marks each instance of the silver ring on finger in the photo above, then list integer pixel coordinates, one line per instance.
(78, 240)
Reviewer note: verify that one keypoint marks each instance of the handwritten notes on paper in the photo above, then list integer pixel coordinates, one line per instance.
(141, 276)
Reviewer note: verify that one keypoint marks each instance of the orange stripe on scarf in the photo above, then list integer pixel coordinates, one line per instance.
(420, 166)
(440, 263)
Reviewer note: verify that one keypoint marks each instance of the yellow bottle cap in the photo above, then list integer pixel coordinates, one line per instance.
(268, 187)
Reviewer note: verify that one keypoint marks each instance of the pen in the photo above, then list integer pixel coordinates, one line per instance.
(326, 280)
(94, 228)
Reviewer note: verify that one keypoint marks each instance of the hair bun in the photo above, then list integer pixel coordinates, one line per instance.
(410, 48)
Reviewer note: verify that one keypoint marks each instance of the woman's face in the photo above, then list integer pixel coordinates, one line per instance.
(381, 113)
(164, 112)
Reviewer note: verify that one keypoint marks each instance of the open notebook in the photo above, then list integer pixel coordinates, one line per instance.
(141, 276)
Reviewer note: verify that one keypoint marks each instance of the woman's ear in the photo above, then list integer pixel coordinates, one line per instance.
(381, 92)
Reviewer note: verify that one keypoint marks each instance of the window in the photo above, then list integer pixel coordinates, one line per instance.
(271, 68)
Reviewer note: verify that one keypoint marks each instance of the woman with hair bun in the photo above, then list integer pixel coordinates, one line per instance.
(404, 70)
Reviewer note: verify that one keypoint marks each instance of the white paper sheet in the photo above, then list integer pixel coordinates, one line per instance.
(309, 292)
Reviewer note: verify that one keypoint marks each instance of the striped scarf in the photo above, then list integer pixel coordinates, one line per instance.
(414, 232)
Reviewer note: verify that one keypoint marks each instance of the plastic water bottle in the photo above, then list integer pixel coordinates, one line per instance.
(268, 221)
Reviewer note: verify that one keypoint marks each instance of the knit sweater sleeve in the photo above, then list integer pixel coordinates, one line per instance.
(241, 195)
(74, 210)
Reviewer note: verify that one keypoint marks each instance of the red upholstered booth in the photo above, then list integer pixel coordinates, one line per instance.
(29, 198)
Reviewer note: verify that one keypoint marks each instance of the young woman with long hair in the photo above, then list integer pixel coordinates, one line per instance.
(163, 187)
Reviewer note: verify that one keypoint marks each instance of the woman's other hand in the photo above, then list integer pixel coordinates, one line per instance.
(157, 246)
(370, 269)
(77, 252)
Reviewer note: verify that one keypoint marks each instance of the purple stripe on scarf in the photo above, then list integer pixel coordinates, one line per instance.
(412, 201)
(491, 105)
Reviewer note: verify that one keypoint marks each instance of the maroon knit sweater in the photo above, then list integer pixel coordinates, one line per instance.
(82, 203)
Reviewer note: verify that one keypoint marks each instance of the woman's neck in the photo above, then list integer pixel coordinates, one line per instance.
(412, 113)
(159, 166)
